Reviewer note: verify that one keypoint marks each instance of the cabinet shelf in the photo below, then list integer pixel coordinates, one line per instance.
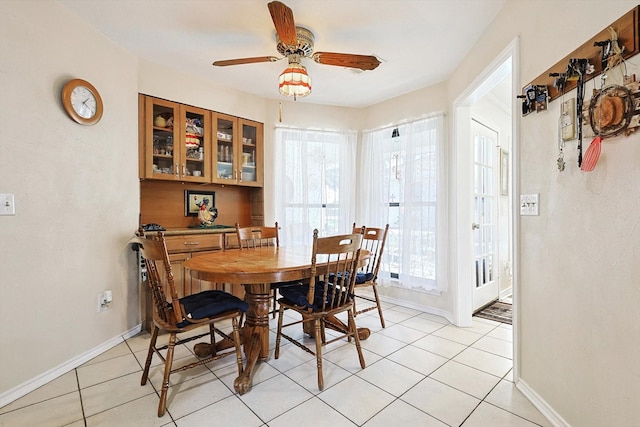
(170, 130)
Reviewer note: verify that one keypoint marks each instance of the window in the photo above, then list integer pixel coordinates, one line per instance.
(400, 182)
(314, 183)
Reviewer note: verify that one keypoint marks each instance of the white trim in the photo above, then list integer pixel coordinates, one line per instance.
(407, 304)
(541, 405)
(506, 293)
(423, 308)
(515, 208)
(42, 379)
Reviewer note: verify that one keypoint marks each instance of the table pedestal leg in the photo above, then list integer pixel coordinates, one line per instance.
(255, 335)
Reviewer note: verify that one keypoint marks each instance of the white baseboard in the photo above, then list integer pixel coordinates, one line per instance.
(419, 307)
(505, 293)
(28, 386)
(554, 418)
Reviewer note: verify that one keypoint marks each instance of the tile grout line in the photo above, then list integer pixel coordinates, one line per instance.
(84, 417)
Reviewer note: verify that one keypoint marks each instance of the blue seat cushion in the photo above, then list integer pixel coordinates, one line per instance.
(210, 303)
(363, 277)
(360, 277)
(298, 295)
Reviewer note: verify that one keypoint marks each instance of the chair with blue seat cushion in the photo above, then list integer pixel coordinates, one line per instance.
(373, 241)
(329, 292)
(179, 315)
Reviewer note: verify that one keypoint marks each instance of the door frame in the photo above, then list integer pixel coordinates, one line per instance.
(461, 209)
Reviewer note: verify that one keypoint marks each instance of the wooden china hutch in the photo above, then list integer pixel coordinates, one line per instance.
(182, 147)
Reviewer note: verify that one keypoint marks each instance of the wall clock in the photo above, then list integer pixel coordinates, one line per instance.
(82, 102)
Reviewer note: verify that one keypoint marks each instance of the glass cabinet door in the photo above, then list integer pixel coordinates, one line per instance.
(161, 137)
(195, 146)
(224, 167)
(250, 152)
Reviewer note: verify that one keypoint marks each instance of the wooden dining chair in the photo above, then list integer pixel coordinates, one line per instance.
(178, 315)
(373, 241)
(334, 262)
(261, 236)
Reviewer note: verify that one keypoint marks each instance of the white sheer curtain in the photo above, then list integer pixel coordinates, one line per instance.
(401, 181)
(314, 183)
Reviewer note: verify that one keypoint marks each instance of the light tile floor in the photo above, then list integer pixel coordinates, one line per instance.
(421, 371)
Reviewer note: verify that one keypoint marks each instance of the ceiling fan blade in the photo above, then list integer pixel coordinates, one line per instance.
(363, 62)
(282, 17)
(239, 61)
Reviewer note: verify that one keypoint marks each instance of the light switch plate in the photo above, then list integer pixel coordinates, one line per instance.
(529, 204)
(7, 204)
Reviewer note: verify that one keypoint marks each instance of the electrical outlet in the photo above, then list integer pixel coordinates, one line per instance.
(104, 301)
(101, 306)
(7, 204)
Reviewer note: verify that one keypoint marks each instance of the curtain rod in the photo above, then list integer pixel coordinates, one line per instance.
(406, 121)
(289, 127)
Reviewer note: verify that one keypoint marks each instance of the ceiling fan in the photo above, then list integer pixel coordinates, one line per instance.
(296, 43)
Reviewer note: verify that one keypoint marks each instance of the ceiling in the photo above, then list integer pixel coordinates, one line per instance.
(419, 42)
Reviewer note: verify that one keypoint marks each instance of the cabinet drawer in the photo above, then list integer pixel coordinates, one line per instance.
(194, 242)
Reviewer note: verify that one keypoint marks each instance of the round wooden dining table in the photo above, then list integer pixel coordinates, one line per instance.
(256, 269)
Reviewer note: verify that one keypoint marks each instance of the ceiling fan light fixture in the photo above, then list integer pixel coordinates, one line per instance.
(294, 81)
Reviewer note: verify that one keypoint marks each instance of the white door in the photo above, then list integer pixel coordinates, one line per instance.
(485, 223)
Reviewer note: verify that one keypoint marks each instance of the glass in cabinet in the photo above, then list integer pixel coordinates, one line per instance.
(224, 171)
(195, 156)
(177, 141)
(250, 152)
(237, 151)
(160, 139)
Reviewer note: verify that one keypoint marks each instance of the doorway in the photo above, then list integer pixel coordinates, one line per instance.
(493, 90)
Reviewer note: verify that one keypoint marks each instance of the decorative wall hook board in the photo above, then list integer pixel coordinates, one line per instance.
(625, 31)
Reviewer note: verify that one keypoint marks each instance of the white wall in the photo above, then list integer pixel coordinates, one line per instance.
(76, 192)
(578, 318)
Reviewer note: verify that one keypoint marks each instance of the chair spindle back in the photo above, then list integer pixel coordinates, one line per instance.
(156, 258)
(373, 240)
(255, 237)
(339, 257)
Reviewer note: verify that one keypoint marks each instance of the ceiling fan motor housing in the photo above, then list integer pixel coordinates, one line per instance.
(304, 46)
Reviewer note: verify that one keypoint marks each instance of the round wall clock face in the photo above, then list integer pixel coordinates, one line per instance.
(82, 102)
